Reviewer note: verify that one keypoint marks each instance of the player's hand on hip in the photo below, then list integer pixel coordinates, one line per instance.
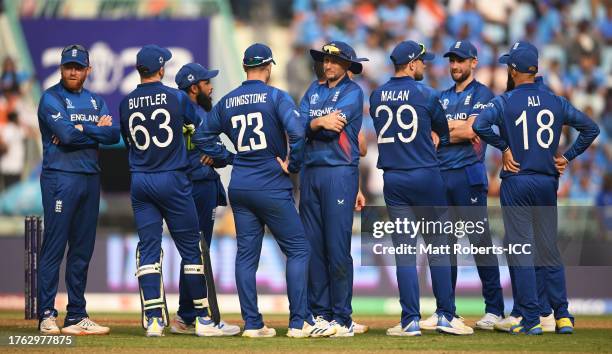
(79, 127)
(561, 163)
(283, 164)
(105, 121)
(436, 139)
(55, 140)
(475, 140)
(206, 160)
(508, 161)
(360, 201)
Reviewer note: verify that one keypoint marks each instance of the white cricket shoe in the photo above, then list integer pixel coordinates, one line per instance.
(206, 327)
(263, 332)
(321, 328)
(85, 327)
(429, 323)
(342, 331)
(411, 330)
(360, 328)
(548, 323)
(507, 323)
(155, 327)
(455, 326)
(178, 326)
(488, 321)
(48, 325)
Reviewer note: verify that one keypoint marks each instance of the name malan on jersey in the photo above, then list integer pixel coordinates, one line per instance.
(402, 95)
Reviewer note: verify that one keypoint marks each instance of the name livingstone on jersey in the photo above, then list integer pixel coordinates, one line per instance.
(246, 99)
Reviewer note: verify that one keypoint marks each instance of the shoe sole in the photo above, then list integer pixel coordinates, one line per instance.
(565, 330)
(427, 328)
(485, 328)
(51, 333)
(455, 332)
(85, 333)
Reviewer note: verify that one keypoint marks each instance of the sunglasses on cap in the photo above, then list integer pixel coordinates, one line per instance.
(74, 46)
(423, 49)
(331, 49)
(255, 61)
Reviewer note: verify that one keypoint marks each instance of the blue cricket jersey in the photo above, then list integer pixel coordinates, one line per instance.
(196, 170)
(152, 118)
(325, 147)
(59, 111)
(460, 106)
(530, 119)
(257, 118)
(405, 112)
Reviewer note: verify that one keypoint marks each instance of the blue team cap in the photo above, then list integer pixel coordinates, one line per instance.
(462, 49)
(152, 57)
(256, 55)
(75, 53)
(193, 73)
(408, 51)
(341, 50)
(523, 57)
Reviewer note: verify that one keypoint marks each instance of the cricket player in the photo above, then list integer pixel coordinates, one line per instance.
(465, 174)
(258, 119)
(152, 119)
(208, 192)
(330, 182)
(319, 84)
(547, 318)
(530, 119)
(73, 121)
(405, 112)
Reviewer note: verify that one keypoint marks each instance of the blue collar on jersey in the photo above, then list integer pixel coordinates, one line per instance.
(409, 78)
(525, 86)
(153, 83)
(469, 86)
(250, 82)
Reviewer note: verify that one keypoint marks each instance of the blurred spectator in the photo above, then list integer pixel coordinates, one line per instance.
(12, 151)
(297, 72)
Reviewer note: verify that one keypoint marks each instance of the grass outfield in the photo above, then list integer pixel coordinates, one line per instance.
(593, 334)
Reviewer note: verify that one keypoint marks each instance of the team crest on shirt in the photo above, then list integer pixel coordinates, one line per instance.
(467, 100)
(314, 98)
(336, 96)
(94, 103)
(444, 103)
(69, 103)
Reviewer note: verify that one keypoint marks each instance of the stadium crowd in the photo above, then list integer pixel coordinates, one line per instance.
(574, 40)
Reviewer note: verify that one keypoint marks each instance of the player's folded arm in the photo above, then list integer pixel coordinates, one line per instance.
(291, 120)
(56, 118)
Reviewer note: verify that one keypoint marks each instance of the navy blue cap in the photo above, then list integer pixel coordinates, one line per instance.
(408, 51)
(193, 73)
(75, 53)
(152, 57)
(257, 54)
(341, 50)
(523, 57)
(462, 49)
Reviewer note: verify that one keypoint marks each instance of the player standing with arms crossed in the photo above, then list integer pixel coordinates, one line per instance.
(208, 192)
(329, 184)
(258, 119)
(152, 118)
(530, 119)
(73, 121)
(405, 112)
(465, 174)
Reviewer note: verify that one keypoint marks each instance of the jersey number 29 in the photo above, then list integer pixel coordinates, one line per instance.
(413, 125)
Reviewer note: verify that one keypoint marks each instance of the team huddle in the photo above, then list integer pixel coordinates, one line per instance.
(431, 147)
